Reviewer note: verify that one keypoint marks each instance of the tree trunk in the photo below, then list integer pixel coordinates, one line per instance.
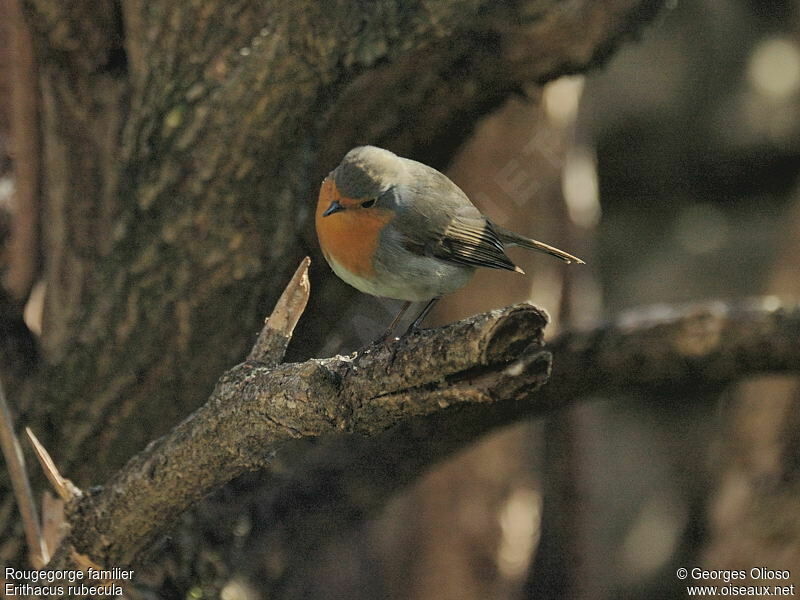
(182, 147)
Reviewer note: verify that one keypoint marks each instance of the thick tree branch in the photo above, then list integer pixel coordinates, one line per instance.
(431, 392)
(666, 347)
(256, 412)
(473, 69)
(658, 349)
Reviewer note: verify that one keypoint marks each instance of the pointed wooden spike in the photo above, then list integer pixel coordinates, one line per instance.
(293, 301)
(279, 326)
(65, 489)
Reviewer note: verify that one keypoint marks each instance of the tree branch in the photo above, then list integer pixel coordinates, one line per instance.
(659, 349)
(270, 347)
(666, 347)
(473, 69)
(447, 386)
(18, 474)
(255, 413)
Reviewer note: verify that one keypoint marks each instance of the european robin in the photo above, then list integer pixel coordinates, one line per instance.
(396, 228)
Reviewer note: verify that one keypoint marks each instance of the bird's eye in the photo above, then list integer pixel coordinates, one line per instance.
(368, 203)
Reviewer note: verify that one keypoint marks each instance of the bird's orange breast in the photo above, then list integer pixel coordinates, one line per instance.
(351, 236)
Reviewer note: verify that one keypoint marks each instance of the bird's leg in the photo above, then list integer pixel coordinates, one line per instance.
(387, 334)
(418, 321)
(411, 328)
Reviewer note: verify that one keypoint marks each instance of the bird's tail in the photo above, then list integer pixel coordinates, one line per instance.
(514, 239)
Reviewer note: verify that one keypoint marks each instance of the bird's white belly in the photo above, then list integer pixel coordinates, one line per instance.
(419, 278)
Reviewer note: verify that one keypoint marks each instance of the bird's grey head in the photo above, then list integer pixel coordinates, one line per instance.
(367, 172)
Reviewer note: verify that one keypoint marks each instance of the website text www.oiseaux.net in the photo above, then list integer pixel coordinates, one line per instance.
(763, 582)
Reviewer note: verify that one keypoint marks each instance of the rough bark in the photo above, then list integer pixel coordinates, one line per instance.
(701, 346)
(380, 417)
(256, 412)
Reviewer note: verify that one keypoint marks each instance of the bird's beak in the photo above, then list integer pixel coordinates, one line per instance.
(333, 208)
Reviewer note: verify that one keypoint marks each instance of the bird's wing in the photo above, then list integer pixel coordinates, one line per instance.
(455, 230)
(464, 241)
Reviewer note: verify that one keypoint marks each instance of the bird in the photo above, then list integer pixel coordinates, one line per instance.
(396, 228)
